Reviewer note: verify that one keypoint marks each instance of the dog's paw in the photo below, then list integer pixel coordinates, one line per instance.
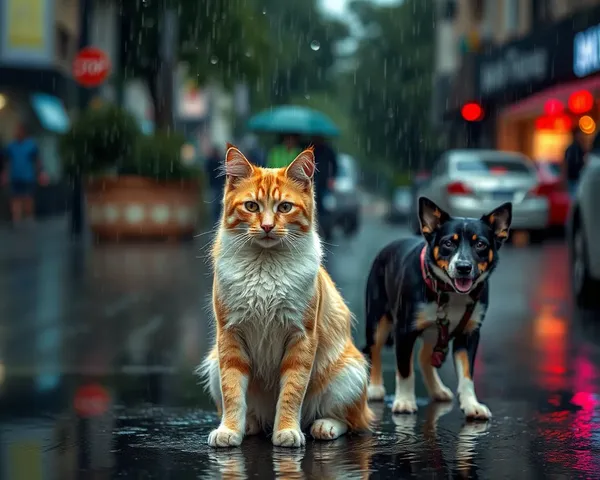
(327, 429)
(252, 425)
(441, 394)
(225, 437)
(403, 405)
(289, 437)
(474, 410)
(376, 393)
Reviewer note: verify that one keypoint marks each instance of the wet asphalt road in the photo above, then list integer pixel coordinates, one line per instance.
(97, 348)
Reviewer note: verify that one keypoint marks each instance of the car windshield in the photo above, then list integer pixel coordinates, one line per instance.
(493, 165)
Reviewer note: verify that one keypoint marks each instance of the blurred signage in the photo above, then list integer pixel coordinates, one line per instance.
(586, 52)
(27, 31)
(514, 67)
(91, 67)
(192, 102)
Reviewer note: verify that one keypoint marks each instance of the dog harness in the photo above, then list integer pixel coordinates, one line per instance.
(441, 290)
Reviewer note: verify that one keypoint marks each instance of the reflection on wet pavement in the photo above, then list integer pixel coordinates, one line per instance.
(97, 348)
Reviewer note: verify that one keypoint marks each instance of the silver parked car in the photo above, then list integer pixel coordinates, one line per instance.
(470, 183)
(583, 231)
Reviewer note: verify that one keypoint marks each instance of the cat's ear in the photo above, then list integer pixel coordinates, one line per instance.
(236, 164)
(302, 168)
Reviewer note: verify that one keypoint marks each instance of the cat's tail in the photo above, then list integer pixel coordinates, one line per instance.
(360, 417)
(208, 371)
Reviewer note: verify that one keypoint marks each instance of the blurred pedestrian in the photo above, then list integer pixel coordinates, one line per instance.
(574, 161)
(284, 152)
(327, 169)
(216, 181)
(21, 173)
(252, 150)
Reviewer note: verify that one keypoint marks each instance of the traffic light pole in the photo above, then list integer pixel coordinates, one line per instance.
(77, 200)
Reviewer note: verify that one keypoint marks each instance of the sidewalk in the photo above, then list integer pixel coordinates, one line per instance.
(47, 236)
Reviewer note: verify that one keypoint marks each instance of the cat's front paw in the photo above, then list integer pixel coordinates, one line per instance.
(225, 437)
(474, 410)
(289, 437)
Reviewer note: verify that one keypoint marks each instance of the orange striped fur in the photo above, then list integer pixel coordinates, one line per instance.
(283, 359)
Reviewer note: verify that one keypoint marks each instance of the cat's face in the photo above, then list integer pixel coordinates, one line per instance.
(268, 207)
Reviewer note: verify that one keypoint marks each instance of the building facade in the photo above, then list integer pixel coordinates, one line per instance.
(532, 65)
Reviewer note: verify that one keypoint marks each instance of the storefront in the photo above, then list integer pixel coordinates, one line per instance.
(536, 90)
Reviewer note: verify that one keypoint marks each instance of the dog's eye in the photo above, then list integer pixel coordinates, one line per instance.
(480, 245)
(251, 207)
(448, 244)
(284, 207)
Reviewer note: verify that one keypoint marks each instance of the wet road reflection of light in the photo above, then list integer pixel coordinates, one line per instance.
(550, 347)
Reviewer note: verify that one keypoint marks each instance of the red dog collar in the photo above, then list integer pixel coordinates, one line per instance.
(440, 350)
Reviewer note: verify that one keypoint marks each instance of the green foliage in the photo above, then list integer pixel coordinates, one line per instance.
(99, 139)
(159, 157)
(306, 50)
(224, 39)
(393, 83)
(108, 140)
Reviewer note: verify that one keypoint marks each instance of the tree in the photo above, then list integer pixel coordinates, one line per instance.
(393, 78)
(305, 52)
(218, 38)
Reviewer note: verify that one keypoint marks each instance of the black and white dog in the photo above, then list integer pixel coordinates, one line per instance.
(435, 288)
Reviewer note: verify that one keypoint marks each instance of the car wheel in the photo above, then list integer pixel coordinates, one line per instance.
(585, 288)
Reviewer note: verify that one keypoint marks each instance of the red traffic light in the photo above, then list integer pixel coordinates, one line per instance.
(472, 112)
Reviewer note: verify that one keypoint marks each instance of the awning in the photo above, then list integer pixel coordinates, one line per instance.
(50, 112)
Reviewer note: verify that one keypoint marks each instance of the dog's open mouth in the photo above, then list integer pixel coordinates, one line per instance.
(463, 285)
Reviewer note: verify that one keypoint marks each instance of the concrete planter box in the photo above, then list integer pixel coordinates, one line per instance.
(131, 207)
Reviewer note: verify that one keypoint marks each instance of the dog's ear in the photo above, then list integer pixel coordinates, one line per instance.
(431, 217)
(499, 221)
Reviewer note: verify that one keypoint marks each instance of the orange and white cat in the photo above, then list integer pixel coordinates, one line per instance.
(283, 359)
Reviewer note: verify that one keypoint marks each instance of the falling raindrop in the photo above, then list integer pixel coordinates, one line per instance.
(264, 12)
(214, 59)
(248, 53)
(314, 45)
(307, 96)
(390, 113)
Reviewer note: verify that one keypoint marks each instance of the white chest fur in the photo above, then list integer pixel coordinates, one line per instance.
(265, 293)
(454, 311)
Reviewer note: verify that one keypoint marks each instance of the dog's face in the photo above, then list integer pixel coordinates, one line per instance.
(463, 251)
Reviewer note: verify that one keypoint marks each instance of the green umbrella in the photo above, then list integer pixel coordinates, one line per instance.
(293, 119)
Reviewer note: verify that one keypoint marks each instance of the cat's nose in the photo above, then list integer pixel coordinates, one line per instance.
(267, 227)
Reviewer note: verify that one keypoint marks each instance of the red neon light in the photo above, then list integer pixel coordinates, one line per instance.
(472, 112)
(561, 123)
(581, 101)
(553, 106)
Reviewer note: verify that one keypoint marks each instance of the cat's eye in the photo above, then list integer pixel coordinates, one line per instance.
(251, 207)
(284, 207)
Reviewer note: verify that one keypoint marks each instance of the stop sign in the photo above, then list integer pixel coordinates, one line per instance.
(91, 67)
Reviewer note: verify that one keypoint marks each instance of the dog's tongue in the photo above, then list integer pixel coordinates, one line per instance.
(463, 284)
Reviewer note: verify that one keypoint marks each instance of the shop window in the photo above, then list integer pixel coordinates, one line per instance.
(448, 10)
(511, 16)
(489, 18)
(63, 44)
(541, 11)
(477, 9)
